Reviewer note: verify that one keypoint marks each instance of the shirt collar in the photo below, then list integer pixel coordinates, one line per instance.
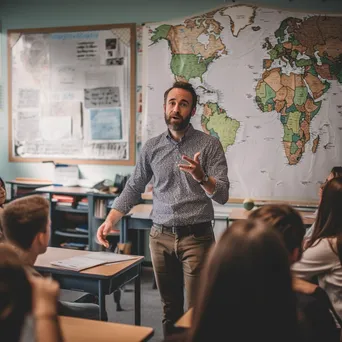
(190, 129)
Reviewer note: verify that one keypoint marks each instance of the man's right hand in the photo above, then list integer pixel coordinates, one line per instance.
(107, 226)
(103, 231)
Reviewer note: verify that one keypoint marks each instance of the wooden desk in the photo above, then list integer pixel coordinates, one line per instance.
(185, 320)
(101, 280)
(29, 184)
(241, 214)
(85, 330)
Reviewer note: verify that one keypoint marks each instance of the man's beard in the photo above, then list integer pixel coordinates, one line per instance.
(177, 126)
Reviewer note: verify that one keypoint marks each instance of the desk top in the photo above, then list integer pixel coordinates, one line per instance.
(86, 330)
(100, 272)
(29, 183)
(71, 190)
(241, 214)
(185, 320)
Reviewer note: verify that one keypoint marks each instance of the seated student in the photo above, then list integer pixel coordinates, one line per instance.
(323, 254)
(21, 295)
(245, 293)
(2, 200)
(26, 225)
(336, 171)
(2, 193)
(316, 314)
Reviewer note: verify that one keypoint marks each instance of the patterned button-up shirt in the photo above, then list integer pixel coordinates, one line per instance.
(178, 199)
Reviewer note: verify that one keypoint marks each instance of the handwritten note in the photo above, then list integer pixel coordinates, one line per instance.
(103, 97)
(28, 98)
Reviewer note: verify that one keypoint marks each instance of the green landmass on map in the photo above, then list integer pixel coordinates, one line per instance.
(217, 123)
(189, 66)
(315, 45)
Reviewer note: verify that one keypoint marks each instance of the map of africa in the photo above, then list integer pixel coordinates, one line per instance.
(269, 86)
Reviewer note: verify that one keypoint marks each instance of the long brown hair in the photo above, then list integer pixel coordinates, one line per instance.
(246, 288)
(15, 294)
(284, 219)
(329, 217)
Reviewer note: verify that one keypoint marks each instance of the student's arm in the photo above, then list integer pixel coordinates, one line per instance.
(316, 260)
(44, 309)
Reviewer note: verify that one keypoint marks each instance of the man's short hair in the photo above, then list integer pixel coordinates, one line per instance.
(186, 86)
(286, 220)
(23, 218)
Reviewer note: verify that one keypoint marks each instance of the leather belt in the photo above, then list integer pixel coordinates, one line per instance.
(202, 228)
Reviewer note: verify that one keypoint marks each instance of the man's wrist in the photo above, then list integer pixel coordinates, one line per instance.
(204, 180)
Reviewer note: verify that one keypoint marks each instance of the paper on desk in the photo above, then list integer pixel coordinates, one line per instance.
(79, 263)
(313, 215)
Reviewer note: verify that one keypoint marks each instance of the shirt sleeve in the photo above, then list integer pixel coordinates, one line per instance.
(217, 168)
(316, 260)
(135, 186)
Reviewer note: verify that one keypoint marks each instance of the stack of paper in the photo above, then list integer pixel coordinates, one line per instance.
(79, 263)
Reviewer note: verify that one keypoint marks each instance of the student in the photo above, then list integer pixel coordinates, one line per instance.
(336, 171)
(323, 254)
(190, 171)
(21, 295)
(26, 225)
(245, 293)
(316, 315)
(2, 201)
(2, 193)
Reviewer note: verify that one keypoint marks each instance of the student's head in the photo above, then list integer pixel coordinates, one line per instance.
(287, 221)
(26, 223)
(15, 294)
(179, 105)
(329, 216)
(2, 192)
(246, 288)
(335, 172)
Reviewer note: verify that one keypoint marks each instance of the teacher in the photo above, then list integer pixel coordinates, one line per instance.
(189, 170)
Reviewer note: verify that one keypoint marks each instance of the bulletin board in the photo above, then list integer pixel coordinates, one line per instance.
(72, 94)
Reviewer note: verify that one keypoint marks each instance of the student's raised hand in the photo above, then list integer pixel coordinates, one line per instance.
(193, 167)
(45, 292)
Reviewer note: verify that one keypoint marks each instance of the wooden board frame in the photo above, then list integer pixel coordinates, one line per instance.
(131, 138)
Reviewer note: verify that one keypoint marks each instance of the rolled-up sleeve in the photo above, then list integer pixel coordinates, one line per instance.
(217, 168)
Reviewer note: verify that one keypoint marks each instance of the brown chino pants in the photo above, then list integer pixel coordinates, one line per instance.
(177, 263)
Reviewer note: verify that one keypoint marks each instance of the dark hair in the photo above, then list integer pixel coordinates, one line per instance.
(336, 171)
(286, 220)
(15, 294)
(2, 185)
(246, 288)
(186, 86)
(23, 218)
(329, 217)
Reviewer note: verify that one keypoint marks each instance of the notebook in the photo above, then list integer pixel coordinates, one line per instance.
(82, 262)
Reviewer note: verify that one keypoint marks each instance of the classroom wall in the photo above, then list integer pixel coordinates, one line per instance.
(20, 14)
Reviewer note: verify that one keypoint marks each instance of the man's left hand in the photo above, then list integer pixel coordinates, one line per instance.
(194, 167)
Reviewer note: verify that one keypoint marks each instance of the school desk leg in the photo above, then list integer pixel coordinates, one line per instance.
(102, 302)
(137, 298)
